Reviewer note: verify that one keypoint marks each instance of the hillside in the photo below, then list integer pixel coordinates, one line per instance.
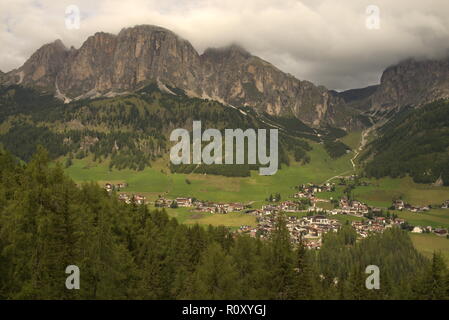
(132, 131)
(413, 142)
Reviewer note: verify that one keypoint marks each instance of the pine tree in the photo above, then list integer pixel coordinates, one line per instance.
(433, 284)
(281, 262)
(216, 276)
(306, 282)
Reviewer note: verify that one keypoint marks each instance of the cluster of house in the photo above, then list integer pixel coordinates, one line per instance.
(109, 187)
(200, 206)
(352, 207)
(376, 225)
(401, 205)
(429, 229)
(309, 230)
(162, 202)
(309, 190)
(284, 206)
(135, 198)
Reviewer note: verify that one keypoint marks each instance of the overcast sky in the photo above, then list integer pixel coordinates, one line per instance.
(324, 41)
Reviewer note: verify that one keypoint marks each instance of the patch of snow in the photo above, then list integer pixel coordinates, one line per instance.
(21, 75)
(164, 88)
(60, 95)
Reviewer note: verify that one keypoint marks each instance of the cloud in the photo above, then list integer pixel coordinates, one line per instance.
(324, 41)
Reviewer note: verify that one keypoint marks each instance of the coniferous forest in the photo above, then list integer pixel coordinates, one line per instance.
(130, 131)
(413, 142)
(123, 251)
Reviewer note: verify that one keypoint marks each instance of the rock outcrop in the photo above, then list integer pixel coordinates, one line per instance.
(41, 69)
(412, 83)
(239, 78)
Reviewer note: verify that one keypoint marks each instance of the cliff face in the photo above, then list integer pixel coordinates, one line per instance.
(238, 78)
(89, 68)
(412, 83)
(109, 64)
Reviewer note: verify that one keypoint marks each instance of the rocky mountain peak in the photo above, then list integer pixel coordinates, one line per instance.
(107, 64)
(228, 52)
(145, 29)
(412, 83)
(41, 69)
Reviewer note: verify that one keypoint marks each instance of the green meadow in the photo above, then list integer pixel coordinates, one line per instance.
(232, 219)
(428, 243)
(158, 180)
(436, 218)
(352, 139)
(383, 191)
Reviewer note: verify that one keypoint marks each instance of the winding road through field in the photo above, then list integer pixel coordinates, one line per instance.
(363, 141)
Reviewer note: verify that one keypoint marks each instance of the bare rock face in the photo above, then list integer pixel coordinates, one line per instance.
(108, 63)
(412, 83)
(238, 78)
(41, 69)
(89, 68)
(148, 53)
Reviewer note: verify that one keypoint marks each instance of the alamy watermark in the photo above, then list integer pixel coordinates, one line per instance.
(256, 144)
(373, 17)
(72, 17)
(73, 280)
(373, 280)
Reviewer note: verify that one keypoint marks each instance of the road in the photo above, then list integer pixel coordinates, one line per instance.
(363, 142)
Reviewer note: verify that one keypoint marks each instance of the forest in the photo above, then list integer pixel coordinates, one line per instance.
(127, 251)
(414, 142)
(130, 131)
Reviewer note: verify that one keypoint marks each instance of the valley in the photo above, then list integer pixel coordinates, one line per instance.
(224, 150)
(157, 181)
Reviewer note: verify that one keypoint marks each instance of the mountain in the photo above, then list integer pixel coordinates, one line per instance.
(108, 65)
(410, 83)
(41, 68)
(237, 77)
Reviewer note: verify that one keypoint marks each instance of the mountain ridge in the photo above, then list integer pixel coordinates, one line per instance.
(410, 83)
(108, 64)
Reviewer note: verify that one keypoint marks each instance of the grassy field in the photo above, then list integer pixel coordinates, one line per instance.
(427, 243)
(434, 218)
(232, 219)
(352, 139)
(381, 192)
(158, 180)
